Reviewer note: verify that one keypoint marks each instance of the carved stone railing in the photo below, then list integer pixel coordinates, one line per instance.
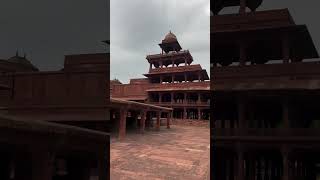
(267, 132)
(270, 18)
(292, 70)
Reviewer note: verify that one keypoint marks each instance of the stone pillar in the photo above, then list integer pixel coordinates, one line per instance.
(122, 124)
(285, 112)
(243, 5)
(199, 98)
(240, 165)
(185, 61)
(199, 76)
(285, 163)
(285, 49)
(172, 99)
(160, 64)
(172, 78)
(199, 114)
(143, 120)
(42, 164)
(184, 98)
(243, 54)
(160, 79)
(158, 120)
(184, 113)
(185, 77)
(136, 119)
(168, 120)
(172, 63)
(241, 113)
(160, 97)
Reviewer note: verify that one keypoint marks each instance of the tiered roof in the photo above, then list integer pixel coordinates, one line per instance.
(265, 31)
(177, 56)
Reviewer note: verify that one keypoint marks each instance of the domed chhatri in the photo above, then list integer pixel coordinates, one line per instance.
(170, 43)
(170, 37)
(23, 61)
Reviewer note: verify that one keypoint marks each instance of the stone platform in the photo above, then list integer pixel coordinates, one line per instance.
(182, 152)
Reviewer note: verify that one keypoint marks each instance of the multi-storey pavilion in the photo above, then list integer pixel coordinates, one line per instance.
(172, 81)
(265, 95)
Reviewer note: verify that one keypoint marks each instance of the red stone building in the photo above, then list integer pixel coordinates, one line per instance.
(41, 116)
(172, 81)
(266, 94)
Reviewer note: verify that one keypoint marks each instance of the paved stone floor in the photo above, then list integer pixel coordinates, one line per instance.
(178, 153)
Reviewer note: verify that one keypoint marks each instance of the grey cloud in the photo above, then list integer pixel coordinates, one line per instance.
(47, 30)
(137, 27)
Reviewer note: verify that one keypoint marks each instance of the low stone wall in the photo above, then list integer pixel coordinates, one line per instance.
(191, 122)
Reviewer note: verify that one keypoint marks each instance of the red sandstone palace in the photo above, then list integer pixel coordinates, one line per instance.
(49, 120)
(172, 81)
(266, 95)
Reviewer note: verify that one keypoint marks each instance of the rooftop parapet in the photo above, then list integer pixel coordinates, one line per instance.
(253, 20)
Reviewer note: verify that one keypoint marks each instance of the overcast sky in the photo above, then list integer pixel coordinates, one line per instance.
(47, 30)
(137, 27)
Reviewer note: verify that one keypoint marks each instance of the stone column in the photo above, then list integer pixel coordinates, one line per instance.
(285, 163)
(185, 61)
(199, 114)
(184, 113)
(241, 112)
(172, 63)
(172, 78)
(199, 98)
(285, 49)
(168, 120)
(160, 64)
(184, 98)
(243, 54)
(158, 120)
(185, 77)
(143, 120)
(199, 76)
(135, 119)
(122, 124)
(42, 164)
(285, 112)
(160, 79)
(240, 164)
(172, 99)
(160, 97)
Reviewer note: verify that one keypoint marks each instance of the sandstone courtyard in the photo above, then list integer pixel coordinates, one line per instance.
(181, 152)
